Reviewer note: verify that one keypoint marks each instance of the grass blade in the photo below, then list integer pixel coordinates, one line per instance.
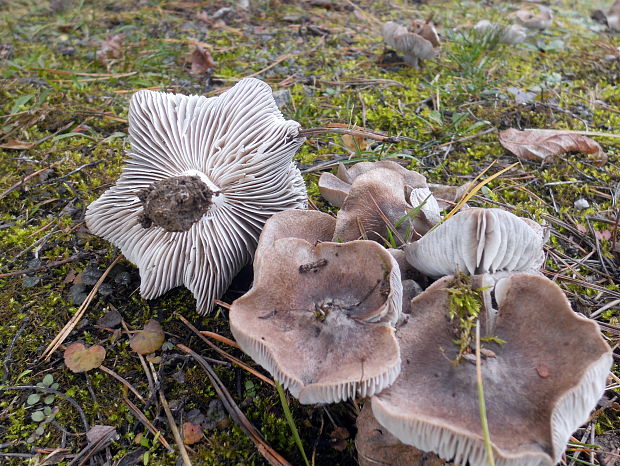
(291, 422)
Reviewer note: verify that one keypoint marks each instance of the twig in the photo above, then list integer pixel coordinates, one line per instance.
(171, 422)
(235, 413)
(600, 310)
(68, 328)
(215, 336)
(148, 424)
(233, 359)
(471, 136)
(9, 352)
(123, 381)
(335, 128)
(49, 265)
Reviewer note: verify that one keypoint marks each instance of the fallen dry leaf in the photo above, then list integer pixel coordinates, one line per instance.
(543, 145)
(100, 433)
(192, 433)
(17, 145)
(149, 339)
(78, 358)
(111, 48)
(201, 61)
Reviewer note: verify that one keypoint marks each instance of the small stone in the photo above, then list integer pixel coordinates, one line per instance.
(90, 275)
(30, 282)
(111, 319)
(106, 289)
(77, 294)
(282, 97)
(581, 204)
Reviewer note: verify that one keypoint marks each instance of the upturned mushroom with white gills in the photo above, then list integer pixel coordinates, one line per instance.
(320, 318)
(544, 371)
(417, 43)
(203, 176)
(478, 241)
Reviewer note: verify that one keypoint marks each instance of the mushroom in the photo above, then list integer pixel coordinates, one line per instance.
(447, 196)
(509, 35)
(539, 18)
(310, 225)
(479, 241)
(376, 200)
(203, 176)
(418, 42)
(539, 385)
(613, 16)
(319, 318)
(375, 445)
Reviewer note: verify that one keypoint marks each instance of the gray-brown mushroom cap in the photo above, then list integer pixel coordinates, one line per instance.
(319, 318)
(479, 241)
(376, 446)
(203, 176)
(378, 199)
(310, 225)
(420, 43)
(540, 386)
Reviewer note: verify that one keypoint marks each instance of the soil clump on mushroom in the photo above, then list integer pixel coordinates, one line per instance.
(175, 204)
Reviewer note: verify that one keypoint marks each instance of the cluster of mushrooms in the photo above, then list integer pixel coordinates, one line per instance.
(334, 315)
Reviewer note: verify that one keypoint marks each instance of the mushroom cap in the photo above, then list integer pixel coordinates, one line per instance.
(540, 386)
(421, 43)
(319, 318)
(613, 16)
(479, 241)
(333, 189)
(238, 145)
(310, 225)
(509, 35)
(447, 196)
(531, 19)
(379, 197)
(375, 445)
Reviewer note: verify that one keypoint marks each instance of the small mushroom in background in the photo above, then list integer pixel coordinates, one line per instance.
(418, 42)
(613, 16)
(540, 384)
(478, 241)
(320, 318)
(376, 200)
(203, 176)
(310, 225)
(509, 35)
(538, 17)
(376, 446)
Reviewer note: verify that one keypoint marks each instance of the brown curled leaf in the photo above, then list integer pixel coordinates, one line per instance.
(78, 358)
(149, 339)
(201, 61)
(543, 145)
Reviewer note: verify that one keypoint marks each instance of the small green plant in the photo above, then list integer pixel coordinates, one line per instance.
(464, 311)
(44, 411)
(291, 423)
